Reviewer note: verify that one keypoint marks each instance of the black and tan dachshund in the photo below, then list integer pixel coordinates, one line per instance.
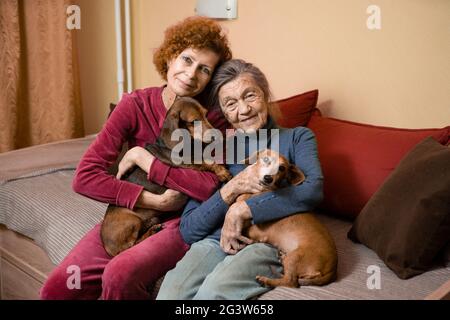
(123, 228)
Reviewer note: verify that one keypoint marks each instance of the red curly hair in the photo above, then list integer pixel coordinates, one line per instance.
(193, 32)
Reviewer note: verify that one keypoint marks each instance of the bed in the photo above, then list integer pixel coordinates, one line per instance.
(41, 218)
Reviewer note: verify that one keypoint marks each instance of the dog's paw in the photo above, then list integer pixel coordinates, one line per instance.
(281, 256)
(155, 228)
(259, 279)
(262, 280)
(223, 174)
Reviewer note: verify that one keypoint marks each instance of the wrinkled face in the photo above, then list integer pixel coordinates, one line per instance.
(272, 168)
(190, 71)
(243, 104)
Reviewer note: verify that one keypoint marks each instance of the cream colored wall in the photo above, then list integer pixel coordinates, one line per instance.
(97, 57)
(397, 76)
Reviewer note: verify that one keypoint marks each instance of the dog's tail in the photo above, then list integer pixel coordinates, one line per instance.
(318, 280)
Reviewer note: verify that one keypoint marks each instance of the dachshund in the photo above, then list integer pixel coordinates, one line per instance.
(123, 228)
(307, 250)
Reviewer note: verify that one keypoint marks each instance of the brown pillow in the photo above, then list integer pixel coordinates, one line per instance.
(446, 255)
(407, 221)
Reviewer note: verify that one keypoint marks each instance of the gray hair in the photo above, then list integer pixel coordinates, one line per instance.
(231, 70)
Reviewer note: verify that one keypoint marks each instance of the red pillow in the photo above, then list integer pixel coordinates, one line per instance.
(356, 159)
(296, 111)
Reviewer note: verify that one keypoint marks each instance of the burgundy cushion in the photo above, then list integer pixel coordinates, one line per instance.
(295, 111)
(356, 159)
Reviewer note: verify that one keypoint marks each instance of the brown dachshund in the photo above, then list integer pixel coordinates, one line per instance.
(308, 252)
(123, 228)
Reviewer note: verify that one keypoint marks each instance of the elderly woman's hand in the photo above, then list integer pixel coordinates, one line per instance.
(244, 182)
(236, 219)
(136, 156)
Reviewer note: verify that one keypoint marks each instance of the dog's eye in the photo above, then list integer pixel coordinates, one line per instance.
(265, 159)
(282, 168)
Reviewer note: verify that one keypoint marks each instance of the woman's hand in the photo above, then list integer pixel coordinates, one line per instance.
(136, 156)
(170, 200)
(237, 217)
(244, 182)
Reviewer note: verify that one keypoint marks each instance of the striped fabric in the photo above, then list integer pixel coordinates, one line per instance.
(43, 207)
(36, 197)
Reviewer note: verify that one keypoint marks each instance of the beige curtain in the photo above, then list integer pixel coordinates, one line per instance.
(39, 84)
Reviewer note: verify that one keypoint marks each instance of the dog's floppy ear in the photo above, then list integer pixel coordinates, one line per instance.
(295, 176)
(252, 159)
(171, 123)
(172, 120)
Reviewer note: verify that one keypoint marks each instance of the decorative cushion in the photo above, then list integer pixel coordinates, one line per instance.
(407, 221)
(356, 158)
(295, 111)
(446, 255)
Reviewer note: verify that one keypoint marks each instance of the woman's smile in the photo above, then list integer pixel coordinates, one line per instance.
(248, 120)
(186, 85)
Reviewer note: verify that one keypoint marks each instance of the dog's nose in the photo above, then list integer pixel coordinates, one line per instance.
(268, 179)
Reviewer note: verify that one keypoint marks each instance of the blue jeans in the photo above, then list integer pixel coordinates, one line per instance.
(208, 273)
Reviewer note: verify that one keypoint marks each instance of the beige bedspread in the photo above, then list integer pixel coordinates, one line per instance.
(37, 200)
(46, 157)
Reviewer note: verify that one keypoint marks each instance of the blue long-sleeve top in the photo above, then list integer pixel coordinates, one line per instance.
(298, 145)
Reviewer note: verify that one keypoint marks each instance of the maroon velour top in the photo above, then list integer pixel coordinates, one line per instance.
(137, 119)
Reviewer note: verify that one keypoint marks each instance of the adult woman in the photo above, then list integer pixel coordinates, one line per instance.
(226, 268)
(186, 60)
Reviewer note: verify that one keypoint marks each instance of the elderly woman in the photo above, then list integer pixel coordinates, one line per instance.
(187, 59)
(222, 263)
